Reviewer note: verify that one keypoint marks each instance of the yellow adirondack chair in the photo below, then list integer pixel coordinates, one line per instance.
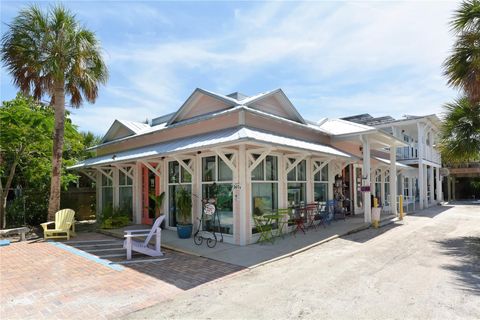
(64, 225)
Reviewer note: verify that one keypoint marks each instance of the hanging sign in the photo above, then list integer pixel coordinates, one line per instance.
(365, 188)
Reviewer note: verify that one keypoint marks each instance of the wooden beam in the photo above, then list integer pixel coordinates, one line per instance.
(184, 165)
(155, 170)
(228, 162)
(259, 159)
(128, 173)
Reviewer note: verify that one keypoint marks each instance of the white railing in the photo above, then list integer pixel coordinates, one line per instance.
(409, 152)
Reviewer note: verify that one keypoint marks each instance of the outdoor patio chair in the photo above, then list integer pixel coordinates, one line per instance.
(310, 211)
(64, 225)
(297, 218)
(143, 246)
(264, 229)
(325, 212)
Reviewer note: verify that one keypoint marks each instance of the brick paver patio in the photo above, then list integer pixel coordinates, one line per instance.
(39, 280)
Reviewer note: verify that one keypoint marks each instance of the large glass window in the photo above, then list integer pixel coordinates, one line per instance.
(125, 192)
(178, 178)
(320, 185)
(297, 184)
(264, 187)
(217, 181)
(107, 193)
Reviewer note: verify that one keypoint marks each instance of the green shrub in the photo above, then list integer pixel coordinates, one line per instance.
(116, 217)
(30, 209)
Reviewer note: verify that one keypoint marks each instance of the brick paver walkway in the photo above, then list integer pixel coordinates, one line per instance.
(39, 280)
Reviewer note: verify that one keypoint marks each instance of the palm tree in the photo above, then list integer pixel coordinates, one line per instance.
(462, 68)
(51, 54)
(460, 139)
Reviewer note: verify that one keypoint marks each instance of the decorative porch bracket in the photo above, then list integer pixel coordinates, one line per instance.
(108, 174)
(291, 165)
(317, 168)
(229, 162)
(186, 166)
(90, 174)
(256, 162)
(127, 170)
(338, 166)
(155, 170)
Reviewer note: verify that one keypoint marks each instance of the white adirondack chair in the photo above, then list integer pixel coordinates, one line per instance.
(143, 246)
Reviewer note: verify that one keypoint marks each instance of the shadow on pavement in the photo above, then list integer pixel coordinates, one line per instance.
(432, 212)
(467, 271)
(371, 233)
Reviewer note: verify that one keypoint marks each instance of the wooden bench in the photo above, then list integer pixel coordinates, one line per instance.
(21, 231)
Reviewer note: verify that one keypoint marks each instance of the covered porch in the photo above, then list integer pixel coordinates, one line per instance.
(257, 254)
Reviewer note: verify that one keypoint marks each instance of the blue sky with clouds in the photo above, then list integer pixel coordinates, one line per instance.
(332, 59)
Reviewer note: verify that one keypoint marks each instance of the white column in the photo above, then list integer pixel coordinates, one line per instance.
(393, 179)
(410, 187)
(382, 187)
(282, 183)
(98, 186)
(331, 178)
(138, 193)
(197, 206)
(439, 185)
(366, 181)
(244, 204)
(309, 168)
(116, 188)
(421, 177)
(431, 182)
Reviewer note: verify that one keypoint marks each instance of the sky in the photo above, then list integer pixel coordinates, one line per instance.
(332, 59)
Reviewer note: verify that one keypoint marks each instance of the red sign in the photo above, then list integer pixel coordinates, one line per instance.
(365, 188)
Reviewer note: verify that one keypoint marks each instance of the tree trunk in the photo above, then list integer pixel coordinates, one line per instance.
(4, 193)
(58, 137)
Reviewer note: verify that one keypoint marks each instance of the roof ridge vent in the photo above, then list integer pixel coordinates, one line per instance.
(238, 96)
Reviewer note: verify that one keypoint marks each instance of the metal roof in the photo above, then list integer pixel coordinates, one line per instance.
(398, 164)
(211, 139)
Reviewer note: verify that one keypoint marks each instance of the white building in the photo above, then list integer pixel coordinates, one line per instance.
(263, 156)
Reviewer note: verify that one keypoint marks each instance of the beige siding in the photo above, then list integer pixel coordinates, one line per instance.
(273, 106)
(204, 104)
(285, 129)
(222, 122)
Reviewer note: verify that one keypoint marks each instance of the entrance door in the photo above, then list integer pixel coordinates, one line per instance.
(358, 194)
(151, 185)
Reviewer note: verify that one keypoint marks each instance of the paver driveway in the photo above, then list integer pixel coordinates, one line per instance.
(426, 267)
(42, 281)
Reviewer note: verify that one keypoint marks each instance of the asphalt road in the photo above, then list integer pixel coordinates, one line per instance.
(425, 267)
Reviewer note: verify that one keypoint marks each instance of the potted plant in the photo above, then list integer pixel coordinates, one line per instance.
(158, 200)
(184, 212)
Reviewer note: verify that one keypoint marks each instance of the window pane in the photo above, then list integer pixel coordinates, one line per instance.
(186, 176)
(224, 172)
(208, 169)
(264, 199)
(224, 206)
(296, 193)
(320, 192)
(257, 173)
(271, 168)
(106, 181)
(125, 200)
(302, 171)
(173, 172)
(172, 203)
(325, 173)
(107, 197)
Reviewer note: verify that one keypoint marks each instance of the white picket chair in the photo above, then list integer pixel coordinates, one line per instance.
(143, 246)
